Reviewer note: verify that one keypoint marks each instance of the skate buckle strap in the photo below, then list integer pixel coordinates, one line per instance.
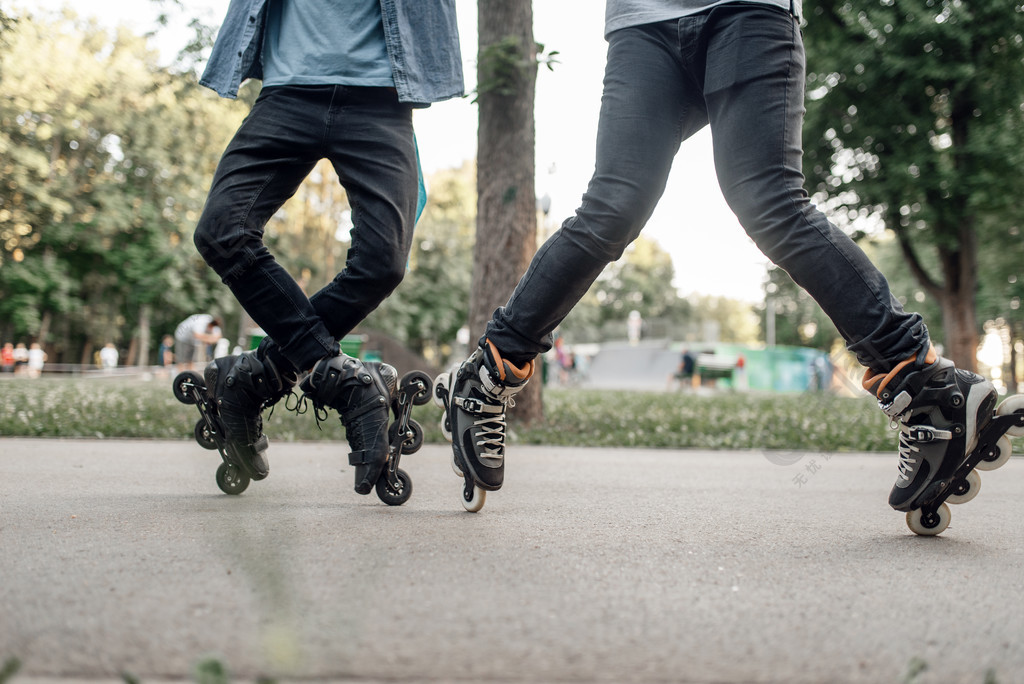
(897, 406)
(910, 437)
(475, 406)
(924, 434)
(362, 457)
(497, 389)
(376, 403)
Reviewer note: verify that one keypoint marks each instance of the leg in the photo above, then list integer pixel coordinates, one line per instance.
(649, 106)
(756, 114)
(645, 114)
(375, 157)
(754, 92)
(270, 155)
(371, 147)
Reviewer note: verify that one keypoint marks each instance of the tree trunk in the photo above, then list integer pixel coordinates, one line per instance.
(1011, 379)
(87, 359)
(956, 291)
(506, 225)
(144, 334)
(133, 351)
(44, 328)
(959, 309)
(958, 319)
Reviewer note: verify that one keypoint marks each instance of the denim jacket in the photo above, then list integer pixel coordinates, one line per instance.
(422, 39)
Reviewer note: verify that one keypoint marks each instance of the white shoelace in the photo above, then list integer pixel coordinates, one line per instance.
(491, 438)
(910, 437)
(908, 449)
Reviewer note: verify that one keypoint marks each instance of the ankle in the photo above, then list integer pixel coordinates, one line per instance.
(507, 371)
(881, 382)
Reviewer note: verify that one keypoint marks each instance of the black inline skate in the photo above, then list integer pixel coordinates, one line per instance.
(361, 393)
(231, 396)
(474, 398)
(949, 427)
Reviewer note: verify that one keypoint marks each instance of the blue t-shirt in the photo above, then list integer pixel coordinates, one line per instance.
(325, 42)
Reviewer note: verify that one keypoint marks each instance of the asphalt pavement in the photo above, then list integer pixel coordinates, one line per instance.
(591, 565)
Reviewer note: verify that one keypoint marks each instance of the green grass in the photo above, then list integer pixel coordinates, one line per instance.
(722, 421)
(132, 408)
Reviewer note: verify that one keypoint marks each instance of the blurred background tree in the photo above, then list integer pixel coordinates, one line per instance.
(914, 126)
(430, 307)
(106, 157)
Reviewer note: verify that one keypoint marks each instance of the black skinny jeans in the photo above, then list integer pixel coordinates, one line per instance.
(368, 137)
(740, 68)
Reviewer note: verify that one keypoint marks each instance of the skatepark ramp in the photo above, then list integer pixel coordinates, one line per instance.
(644, 366)
(649, 365)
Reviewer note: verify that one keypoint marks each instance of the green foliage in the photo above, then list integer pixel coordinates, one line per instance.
(914, 106)
(128, 408)
(106, 157)
(212, 671)
(429, 307)
(799, 321)
(642, 281)
(885, 252)
(724, 421)
(9, 669)
(1002, 279)
(914, 124)
(503, 66)
(720, 318)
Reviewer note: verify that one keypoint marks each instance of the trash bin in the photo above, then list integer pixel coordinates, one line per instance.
(350, 344)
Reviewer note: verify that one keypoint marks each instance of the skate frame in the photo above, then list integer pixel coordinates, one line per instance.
(986, 450)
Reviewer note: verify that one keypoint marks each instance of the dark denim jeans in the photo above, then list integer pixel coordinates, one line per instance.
(741, 68)
(367, 135)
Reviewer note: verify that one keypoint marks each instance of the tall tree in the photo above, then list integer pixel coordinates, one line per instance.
(105, 156)
(506, 234)
(914, 115)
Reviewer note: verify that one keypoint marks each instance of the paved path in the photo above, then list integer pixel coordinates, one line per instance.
(592, 565)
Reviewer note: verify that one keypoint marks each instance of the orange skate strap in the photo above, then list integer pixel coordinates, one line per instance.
(523, 373)
(876, 382)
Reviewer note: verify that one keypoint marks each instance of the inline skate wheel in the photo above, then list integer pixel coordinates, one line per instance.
(966, 489)
(1000, 455)
(473, 497)
(929, 526)
(183, 385)
(231, 480)
(204, 436)
(392, 496)
(414, 439)
(1014, 404)
(441, 388)
(411, 441)
(414, 377)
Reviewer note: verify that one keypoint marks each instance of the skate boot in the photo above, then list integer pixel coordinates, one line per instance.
(361, 392)
(240, 387)
(941, 411)
(474, 399)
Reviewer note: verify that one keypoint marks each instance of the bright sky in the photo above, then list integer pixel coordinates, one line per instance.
(710, 252)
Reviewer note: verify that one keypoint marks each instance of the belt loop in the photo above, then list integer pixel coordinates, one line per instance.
(796, 10)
